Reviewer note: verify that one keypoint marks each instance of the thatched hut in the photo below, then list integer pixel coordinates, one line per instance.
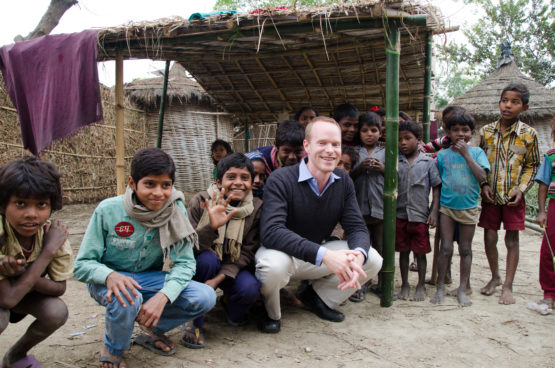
(192, 121)
(482, 101)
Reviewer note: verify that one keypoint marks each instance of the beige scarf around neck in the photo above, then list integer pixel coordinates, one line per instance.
(172, 223)
(230, 234)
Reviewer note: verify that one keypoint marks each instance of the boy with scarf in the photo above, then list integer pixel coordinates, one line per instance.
(226, 219)
(137, 260)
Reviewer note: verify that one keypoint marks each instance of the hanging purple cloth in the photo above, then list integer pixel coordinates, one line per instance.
(53, 83)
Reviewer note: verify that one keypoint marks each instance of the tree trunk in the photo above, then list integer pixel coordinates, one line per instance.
(49, 20)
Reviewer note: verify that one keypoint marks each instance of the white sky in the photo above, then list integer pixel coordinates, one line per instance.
(22, 16)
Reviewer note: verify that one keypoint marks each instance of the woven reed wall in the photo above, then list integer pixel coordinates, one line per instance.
(187, 137)
(260, 135)
(87, 159)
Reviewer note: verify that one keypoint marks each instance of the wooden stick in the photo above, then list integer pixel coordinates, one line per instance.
(120, 144)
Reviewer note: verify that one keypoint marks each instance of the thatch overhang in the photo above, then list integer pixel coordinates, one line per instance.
(482, 100)
(256, 66)
(147, 93)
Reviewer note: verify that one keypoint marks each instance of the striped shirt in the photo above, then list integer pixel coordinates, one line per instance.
(514, 158)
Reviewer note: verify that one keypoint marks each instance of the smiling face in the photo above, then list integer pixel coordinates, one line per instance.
(369, 135)
(236, 182)
(510, 106)
(323, 148)
(153, 191)
(290, 155)
(349, 128)
(307, 116)
(26, 216)
(459, 132)
(408, 143)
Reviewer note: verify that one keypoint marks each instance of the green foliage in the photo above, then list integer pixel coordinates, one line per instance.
(247, 5)
(527, 24)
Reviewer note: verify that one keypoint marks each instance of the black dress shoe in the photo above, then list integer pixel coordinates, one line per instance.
(316, 305)
(268, 325)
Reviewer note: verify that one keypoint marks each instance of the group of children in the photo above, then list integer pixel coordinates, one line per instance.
(147, 259)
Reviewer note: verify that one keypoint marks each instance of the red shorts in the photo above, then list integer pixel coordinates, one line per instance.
(412, 236)
(512, 217)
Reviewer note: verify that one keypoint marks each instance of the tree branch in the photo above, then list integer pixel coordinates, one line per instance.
(49, 20)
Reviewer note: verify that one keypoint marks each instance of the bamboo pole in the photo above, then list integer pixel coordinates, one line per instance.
(393, 51)
(120, 145)
(247, 134)
(163, 106)
(427, 88)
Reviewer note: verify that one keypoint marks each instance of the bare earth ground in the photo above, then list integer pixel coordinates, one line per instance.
(409, 334)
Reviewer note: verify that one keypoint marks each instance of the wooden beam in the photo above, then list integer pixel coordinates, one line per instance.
(120, 144)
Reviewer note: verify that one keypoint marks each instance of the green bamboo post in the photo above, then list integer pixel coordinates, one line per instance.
(427, 88)
(163, 105)
(393, 51)
(247, 136)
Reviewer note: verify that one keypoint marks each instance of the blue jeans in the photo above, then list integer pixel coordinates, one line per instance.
(240, 292)
(196, 300)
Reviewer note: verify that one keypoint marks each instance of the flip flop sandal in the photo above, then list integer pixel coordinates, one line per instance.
(189, 328)
(149, 342)
(107, 359)
(358, 296)
(28, 362)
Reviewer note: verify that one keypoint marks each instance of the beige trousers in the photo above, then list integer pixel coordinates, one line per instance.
(275, 269)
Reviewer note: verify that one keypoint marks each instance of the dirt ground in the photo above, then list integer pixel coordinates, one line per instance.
(409, 334)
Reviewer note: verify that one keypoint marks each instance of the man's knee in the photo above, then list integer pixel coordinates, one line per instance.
(511, 239)
(248, 290)
(208, 265)
(373, 263)
(54, 314)
(272, 265)
(205, 297)
(130, 310)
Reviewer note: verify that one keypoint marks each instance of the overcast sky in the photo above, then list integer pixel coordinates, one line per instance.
(22, 16)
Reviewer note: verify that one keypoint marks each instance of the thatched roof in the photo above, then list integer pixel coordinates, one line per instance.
(181, 89)
(482, 101)
(258, 65)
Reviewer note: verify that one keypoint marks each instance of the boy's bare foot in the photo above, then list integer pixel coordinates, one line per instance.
(419, 294)
(455, 292)
(404, 293)
(438, 298)
(463, 298)
(430, 281)
(506, 297)
(114, 358)
(11, 357)
(489, 289)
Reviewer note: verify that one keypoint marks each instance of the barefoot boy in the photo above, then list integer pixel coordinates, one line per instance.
(30, 249)
(137, 260)
(512, 150)
(463, 171)
(417, 174)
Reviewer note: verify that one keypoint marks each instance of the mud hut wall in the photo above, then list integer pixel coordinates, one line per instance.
(87, 158)
(187, 137)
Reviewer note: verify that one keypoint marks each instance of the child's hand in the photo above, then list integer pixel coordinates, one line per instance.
(118, 284)
(377, 165)
(54, 236)
(432, 219)
(366, 163)
(216, 211)
(12, 267)
(151, 310)
(487, 194)
(461, 147)
(541, 218)
(515, 196)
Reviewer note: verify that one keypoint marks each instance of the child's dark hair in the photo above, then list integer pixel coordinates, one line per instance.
(403, 115)
(413, 127)
(461, 117)
(303, 109)
(151, 161)
(345, 110)
(216, 144)
(30, 177)
(237, 160)
(290, 132)
(381, 111)
(450, 110)
(520, 88)
(351, 152)
(370, 119)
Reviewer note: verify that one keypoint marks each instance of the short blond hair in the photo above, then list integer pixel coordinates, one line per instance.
(323, 119)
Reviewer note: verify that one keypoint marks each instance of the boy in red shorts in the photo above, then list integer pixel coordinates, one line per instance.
(512, 150)
(417, 174)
